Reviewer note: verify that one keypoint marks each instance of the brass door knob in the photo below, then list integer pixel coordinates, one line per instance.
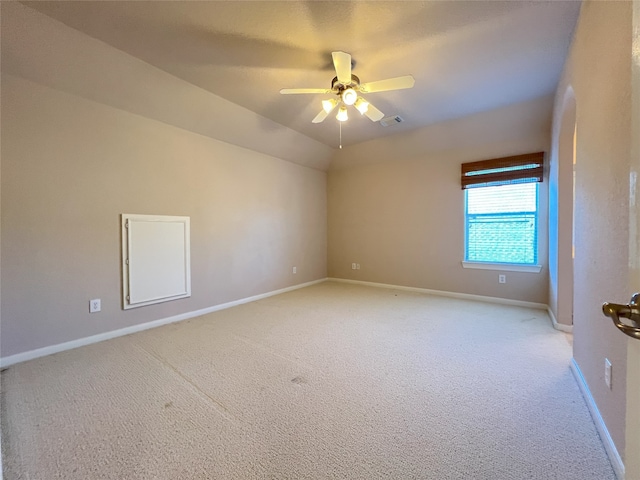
(629, 312)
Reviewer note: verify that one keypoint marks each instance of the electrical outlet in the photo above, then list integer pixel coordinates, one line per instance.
(295, 269)
(94, 305)
(353, 266)
(502, 279)
(607, 372)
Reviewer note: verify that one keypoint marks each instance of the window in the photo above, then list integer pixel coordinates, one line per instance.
(501, 210)
(502, 224)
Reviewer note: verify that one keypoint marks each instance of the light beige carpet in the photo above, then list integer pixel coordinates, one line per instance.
(331, 381)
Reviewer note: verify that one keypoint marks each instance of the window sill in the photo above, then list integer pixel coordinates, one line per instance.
(506, 267)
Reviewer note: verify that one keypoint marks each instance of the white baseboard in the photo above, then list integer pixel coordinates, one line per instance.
(559, 326)
(81, 342)
(609, 446)
(443, 293)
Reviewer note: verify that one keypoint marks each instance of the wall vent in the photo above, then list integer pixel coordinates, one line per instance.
(391, 120)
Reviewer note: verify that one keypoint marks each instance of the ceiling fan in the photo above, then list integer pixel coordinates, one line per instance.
(347, 90)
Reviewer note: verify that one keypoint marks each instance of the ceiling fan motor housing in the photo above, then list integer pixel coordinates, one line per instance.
(339, 87)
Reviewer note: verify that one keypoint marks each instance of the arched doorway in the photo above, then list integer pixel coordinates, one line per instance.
(562, 191)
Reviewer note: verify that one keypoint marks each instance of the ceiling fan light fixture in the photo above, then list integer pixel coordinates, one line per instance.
(362, 105)
(349, 96)
(328, 105)
(342, 115)
(345, 90)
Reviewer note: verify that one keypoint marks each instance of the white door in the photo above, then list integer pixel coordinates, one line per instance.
(632, 440)
(632, 449)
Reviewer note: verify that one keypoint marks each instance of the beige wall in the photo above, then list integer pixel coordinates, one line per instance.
(396, 206)
(71, 164)
(598, 71)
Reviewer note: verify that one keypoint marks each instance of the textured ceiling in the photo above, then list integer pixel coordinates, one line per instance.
(466, 57)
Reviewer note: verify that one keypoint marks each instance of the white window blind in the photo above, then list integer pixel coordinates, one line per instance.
(501, 224)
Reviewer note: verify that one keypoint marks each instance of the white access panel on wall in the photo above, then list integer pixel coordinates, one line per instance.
(156, 265)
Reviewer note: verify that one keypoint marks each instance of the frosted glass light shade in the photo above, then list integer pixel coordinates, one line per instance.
(349, 96)
(342, 114)
(362, 105)
(328, 105)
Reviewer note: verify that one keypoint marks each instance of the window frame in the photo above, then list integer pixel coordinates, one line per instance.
(519, 169)
(505, 266)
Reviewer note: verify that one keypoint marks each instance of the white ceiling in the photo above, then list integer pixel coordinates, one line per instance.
(466, 57)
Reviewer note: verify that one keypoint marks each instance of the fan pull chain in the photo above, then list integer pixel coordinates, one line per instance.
(340, 124)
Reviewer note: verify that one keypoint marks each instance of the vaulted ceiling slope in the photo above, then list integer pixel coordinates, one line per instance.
(39, 49)
(466, 57)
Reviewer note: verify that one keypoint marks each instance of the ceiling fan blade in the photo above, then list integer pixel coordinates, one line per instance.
(373, 113)
(342, 62)
(397, 83)
(320, 117)
(291, 91)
